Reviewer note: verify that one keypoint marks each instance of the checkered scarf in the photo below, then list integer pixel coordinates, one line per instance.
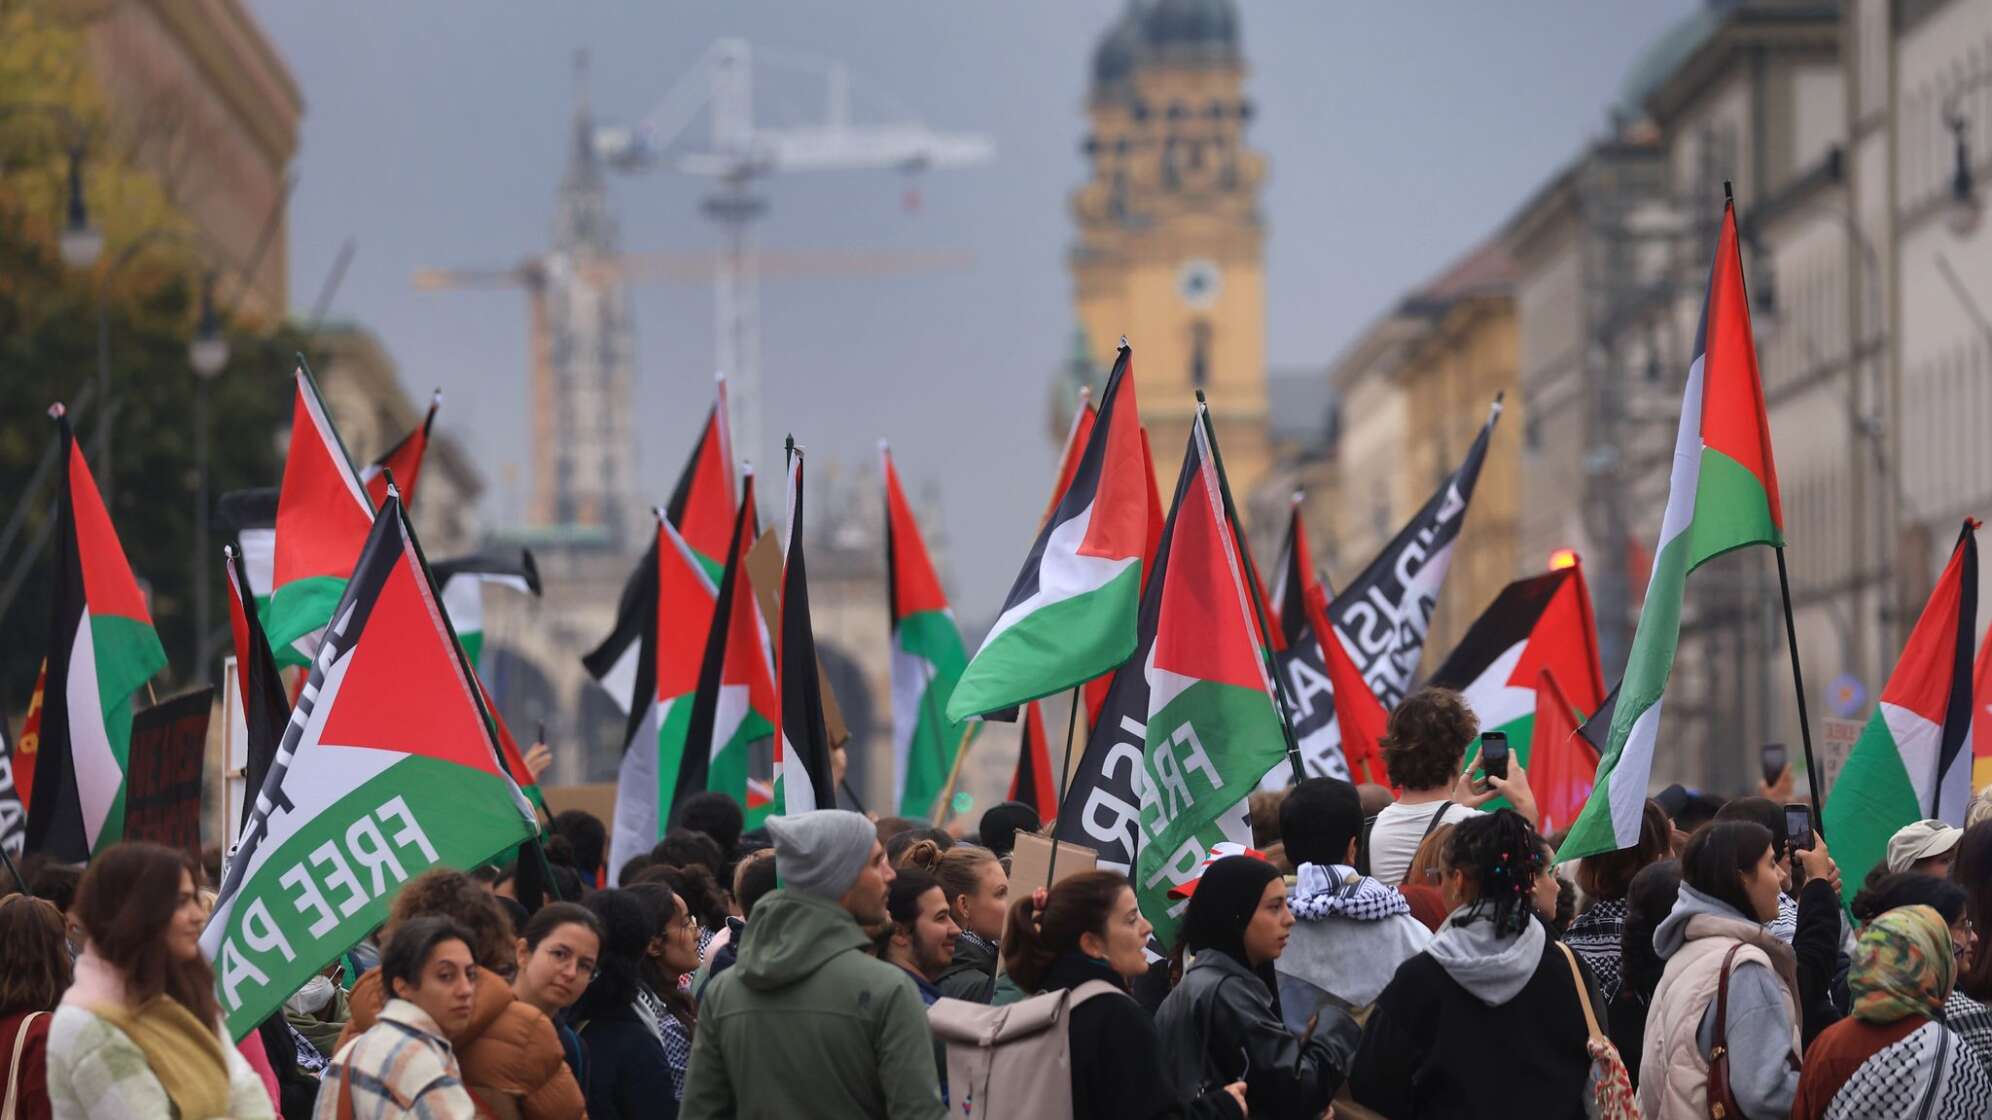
(1340, 891)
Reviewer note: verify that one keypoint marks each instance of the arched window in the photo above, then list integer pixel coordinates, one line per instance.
(1199, 354)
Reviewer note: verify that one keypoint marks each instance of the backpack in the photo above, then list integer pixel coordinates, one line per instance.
(1012, 1062)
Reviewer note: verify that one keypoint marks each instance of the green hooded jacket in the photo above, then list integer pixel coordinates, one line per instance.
(808, 1023)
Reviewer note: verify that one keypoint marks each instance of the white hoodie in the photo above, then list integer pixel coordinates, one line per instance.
(1352, 933)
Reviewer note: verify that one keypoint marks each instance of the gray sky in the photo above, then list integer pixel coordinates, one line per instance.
(435, 133)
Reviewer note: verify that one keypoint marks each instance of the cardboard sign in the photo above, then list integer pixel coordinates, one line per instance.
(1030, 862)
(163, 771)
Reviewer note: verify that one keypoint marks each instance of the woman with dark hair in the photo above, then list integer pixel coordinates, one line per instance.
(558, 953)
(510, 1052)
(978, 894)
(1089, 928)
(1222, 1023)
(1649, 898)
(1965, 1016)
(628, 1075)
(1489, 1019)
(403, 1065)
(1721, 956)
(1604, 879)
(139, 1033)
(1894, 1056)
(668, 963)
(1972, 868)
(34, 972)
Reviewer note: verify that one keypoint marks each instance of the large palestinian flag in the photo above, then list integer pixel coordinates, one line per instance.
(101, 649)
(1543, 622)
(1212, 729)
(1912, 760)
(403, 460)
(266, 710)
(1386, 611)
(701, 505)
(927, 659)
(1070, 616)
(387, 768)
(734, 705)
(464, 581)
(1033, 782)
(666, 673)
(1722, 495)
(1565, 765)
(802, 742)
(323, 516)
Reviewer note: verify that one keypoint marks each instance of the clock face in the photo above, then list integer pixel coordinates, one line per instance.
(1198, 282)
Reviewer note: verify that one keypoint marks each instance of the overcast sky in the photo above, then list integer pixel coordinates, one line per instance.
(435, 134)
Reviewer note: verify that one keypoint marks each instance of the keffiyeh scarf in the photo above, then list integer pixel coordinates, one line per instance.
(1339, 891)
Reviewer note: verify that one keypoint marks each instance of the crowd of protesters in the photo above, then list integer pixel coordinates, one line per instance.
(1419, 954)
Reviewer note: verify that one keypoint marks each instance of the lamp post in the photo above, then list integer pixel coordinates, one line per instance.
(1965, 208)
(207, 355)
(100, 452)
(80, 242)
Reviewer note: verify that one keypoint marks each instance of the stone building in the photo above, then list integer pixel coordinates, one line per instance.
(1170, 242)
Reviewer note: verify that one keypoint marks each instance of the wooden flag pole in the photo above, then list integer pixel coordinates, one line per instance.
(1798, 683)
(1064, 784)
(954, 774)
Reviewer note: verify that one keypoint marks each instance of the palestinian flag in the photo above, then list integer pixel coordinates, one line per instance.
(323, 516)
(666, 673)
(701, 505)
(1070, 616)
(1723, 495)
(802, 746)
(1543, 622)
(403, 460)
(1981, 717)
(1075, 450)
(1565, 765)
(464, 581)
(101, 649)
(927, 659)
(266, 709)
(1386, 611)
(1093, 694)
(1912, 761)
(1301, 658)
(1034, 782)
(613, 663)
(1360, 718)
(1212, 730)
(388, 767)
(734, 705)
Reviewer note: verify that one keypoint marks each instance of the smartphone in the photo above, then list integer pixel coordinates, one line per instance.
(540, 735)
(1775, 759)
(1494, 754)
(1798, 826)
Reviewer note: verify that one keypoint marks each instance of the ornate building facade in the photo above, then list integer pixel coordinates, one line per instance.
(1170, 246)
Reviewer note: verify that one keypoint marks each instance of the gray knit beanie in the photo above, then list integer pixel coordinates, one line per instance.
(821, 853)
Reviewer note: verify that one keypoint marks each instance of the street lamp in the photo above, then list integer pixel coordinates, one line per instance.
(207, 354)
(1965, 209)
(80, 242)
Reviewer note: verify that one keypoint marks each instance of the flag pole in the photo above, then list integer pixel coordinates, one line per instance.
(1064, 786)
(954, 775)
(1280, 698)
(1798, 683)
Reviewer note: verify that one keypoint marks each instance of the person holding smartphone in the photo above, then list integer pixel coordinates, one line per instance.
(1424, 749)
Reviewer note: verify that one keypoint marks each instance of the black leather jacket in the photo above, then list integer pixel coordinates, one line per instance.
(1219, 1025)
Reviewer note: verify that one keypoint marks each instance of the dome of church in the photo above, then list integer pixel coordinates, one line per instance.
(1114, 58)
(1203, 23)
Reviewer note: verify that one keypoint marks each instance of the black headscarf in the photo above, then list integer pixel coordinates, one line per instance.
(1226, 897)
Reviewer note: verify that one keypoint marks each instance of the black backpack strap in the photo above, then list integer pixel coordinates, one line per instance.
(1432, 825)
(1363, 846)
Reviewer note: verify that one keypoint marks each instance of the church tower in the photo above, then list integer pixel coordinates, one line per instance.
(1170, 245)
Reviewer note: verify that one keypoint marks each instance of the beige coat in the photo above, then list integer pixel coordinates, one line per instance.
(1673, 1075)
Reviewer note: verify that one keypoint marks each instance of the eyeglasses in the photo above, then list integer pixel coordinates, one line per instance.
(1434, 874)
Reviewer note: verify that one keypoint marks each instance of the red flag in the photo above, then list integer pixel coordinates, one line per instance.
(1981, 716)
(1359, 715)
(404, 460)
(1563, 765)
(28, 747)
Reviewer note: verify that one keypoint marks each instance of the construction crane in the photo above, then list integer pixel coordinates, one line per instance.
(741, 152)
(537, 275)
